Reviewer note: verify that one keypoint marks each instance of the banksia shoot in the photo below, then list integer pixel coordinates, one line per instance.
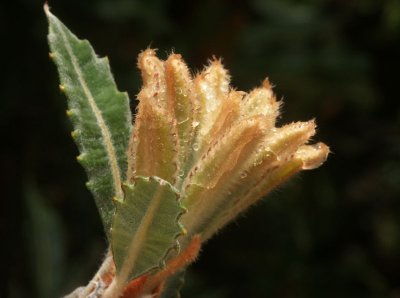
(219, 147)
(200, 153)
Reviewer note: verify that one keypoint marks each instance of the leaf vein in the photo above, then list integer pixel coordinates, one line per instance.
(107, 140)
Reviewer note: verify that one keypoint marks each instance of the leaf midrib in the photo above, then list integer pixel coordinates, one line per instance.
(99, 118)
(136, 244)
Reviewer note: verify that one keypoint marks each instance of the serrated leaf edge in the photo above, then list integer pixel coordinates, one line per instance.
(96, 111)
(122, 278)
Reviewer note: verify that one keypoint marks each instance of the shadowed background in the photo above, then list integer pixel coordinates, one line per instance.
(331, 232)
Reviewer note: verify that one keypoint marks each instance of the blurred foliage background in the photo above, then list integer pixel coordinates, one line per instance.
(332, 232)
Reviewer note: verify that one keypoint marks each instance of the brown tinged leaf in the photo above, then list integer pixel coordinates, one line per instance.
(284, 141)
(261, 101)
(153, 75)
(180, 105)
(153, 145)
(207, 183)
(277, 147)
(212, 88)
(272, 164)
(179, 89)
(307, 157)
(227, 116)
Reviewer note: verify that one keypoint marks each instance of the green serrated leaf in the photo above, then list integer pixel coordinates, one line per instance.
(99, 113)
(145, 226)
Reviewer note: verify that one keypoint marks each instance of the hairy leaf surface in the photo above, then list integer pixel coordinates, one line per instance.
(145, 226)
(99, 113)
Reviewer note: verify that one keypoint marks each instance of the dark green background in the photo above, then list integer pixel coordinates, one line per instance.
(332, 232)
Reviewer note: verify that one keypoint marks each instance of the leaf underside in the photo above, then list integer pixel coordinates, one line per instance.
(145, 226)
(99, 113)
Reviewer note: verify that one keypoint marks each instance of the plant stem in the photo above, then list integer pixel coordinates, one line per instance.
(98, 282)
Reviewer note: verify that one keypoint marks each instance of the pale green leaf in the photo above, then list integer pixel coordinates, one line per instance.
(145, 226)
(99, 113)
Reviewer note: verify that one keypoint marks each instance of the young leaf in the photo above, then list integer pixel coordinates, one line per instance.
(209, 180)
(99, 113)
(145, 227)
(152, 149)
(180, 104)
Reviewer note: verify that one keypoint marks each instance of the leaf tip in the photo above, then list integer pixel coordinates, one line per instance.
(267, 84)
(313, 156)
(46, 7)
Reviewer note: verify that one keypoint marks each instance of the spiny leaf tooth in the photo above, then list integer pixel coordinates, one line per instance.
(52, 55)
(73, 115)
(75, 133)
(62, 88)
(81, 158)
(183, 230)
(312, 156)
(69, 113)
(90, 185)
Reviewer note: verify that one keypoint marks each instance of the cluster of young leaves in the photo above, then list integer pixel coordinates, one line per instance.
(140, 217)
(196, 142)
